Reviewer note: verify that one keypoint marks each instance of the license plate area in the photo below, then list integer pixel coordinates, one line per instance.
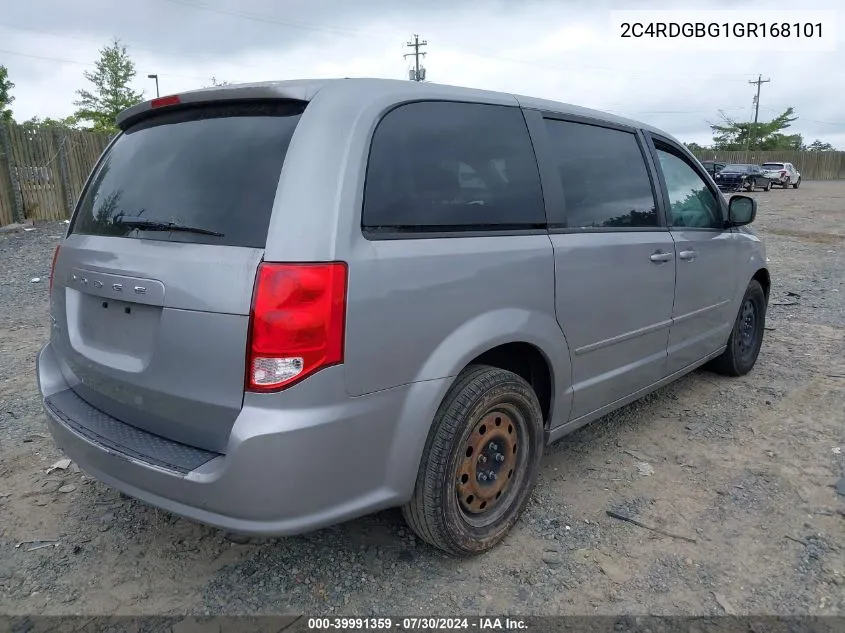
(112, 332)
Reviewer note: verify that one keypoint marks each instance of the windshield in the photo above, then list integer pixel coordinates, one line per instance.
(213, 169)
(737, 168)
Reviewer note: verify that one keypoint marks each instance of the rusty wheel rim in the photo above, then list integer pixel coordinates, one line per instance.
(487, 470)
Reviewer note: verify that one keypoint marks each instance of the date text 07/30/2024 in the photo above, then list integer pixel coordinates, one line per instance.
(417, 623)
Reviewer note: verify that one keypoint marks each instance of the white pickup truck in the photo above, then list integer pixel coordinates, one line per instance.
(782, 174)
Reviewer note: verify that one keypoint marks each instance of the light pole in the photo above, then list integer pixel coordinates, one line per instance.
(156, 78)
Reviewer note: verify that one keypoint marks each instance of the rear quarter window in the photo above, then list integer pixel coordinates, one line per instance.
(443, 166)
(213, 167)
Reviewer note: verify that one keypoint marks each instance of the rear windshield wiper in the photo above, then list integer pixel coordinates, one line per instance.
(152, 225)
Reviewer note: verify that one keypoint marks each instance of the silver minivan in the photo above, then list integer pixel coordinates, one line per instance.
(283, 305)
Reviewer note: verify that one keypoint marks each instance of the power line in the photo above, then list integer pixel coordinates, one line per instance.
(823, 122)
(685, 111)
(300, 24)
(802, 119)
(154, 51)
(44, 57)
(74, 61)
(418, 74)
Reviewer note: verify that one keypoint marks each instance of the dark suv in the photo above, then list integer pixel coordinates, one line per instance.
(712, 167)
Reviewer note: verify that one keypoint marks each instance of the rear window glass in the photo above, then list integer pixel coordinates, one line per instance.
(441, 166)
(213, 168)
(772, 165)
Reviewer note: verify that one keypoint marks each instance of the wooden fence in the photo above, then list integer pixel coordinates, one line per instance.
(812, 165)
(42, 171)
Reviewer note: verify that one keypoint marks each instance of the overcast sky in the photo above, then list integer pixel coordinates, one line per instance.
(546, 48)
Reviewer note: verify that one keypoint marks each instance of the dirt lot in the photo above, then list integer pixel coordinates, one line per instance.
(747, 468)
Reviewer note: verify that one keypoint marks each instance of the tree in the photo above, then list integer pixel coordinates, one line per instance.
(732, 135)
(33, 128)
(38, 123)
(695, 147)
(111, 92)
(6, 98)
(818, 146)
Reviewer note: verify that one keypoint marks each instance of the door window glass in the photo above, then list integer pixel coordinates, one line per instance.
(692, 204)
(604, 176)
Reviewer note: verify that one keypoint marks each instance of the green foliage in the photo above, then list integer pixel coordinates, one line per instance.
(732, 135)
(6, 97)
(34, 127)
(111, 91)
(695, 147)
(36, 123)
(818, 146)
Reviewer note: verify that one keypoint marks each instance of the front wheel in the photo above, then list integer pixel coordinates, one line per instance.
(746, 338)
(768, 185)
(480, 462)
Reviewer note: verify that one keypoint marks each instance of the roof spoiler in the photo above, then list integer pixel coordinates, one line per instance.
(238, 92)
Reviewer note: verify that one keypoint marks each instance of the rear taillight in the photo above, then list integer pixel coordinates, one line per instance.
(53, 267)
(296, 324)
(783, 174)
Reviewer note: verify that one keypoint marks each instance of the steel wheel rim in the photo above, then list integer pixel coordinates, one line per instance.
(497, 444)
(747, 328)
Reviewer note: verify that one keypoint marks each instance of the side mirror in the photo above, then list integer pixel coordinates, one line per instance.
(741, 210)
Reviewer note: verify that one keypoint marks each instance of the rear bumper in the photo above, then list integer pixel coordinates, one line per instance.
(297, 461)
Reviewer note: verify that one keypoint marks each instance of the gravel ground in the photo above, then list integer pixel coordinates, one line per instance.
(746, 468)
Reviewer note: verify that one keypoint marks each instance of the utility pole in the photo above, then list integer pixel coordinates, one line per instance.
(418, 73)
(760, 81)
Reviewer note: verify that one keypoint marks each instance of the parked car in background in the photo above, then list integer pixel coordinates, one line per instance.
(782, 174)
(380, 293)
(742, 177)
(713, 167)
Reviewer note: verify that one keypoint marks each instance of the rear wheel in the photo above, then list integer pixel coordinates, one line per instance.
(480, 462)
(768, 185)
(743, 347)
(796, 185)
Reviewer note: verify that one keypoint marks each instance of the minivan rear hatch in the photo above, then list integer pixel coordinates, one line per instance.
(152, 287)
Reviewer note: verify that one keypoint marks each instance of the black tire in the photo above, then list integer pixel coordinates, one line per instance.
(797, 183)
(441, 511)
(768, 185)
(747, 335)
